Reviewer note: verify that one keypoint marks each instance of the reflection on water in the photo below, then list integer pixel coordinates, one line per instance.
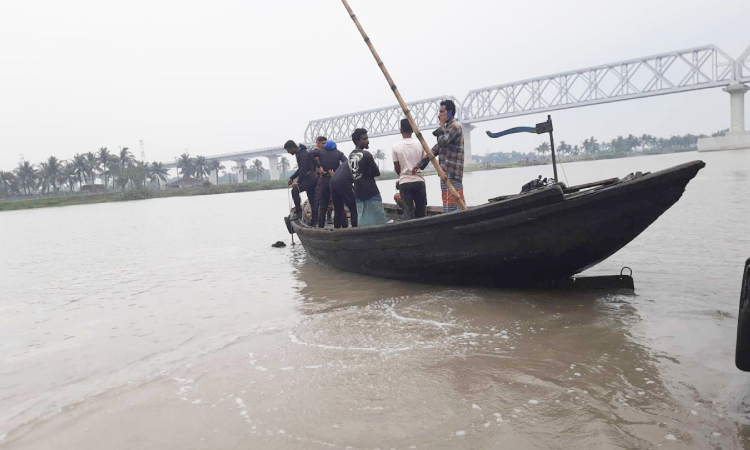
(172, 323)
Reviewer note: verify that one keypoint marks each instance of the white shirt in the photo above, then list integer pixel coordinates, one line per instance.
(408, 152)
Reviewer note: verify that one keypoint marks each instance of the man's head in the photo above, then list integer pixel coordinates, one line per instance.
(361, 141)
(320, 142)
(406, 129)
(291, 147)
(448, 108)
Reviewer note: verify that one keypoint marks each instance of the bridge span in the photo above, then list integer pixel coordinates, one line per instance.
(673, 72)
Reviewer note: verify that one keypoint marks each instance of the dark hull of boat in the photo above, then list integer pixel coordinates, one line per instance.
(527, 239)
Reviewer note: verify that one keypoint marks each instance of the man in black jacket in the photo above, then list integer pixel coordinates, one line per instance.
(330, 159)
(307, 180)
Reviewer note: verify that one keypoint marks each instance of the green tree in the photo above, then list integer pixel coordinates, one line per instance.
(79, 163)
(105, 159)
(257, 169)
(92, 166)
(68, 175)
(379, 155)
(27, 175)
(200, 165)
(48, 173)
(126, 160)
(284, 166)
(186, 165)
(8, 183)
(542, 148)
(215, 165)
(158, 172)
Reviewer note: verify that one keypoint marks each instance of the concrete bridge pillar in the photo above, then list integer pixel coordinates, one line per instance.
(737, 138)
(241, 169)
(467, 127)
(213, 176)
(736, 93)
(273, 166)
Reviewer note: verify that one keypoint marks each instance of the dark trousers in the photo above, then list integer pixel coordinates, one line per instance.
(325, 196)
(339, 200)
(306, 183)
(414, 196)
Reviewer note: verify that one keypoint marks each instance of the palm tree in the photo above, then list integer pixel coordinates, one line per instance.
(113, 170)
(215, 165)
(92, 165)
(126, 160)
(27, 175)
(200, 165)
(137, 174)
(158, 172)
(68, 175)
(8, 183)
(258, 169)
(542, 148)
(105, 158)
(50, 170)
(186, 165)
(79, 163)
(379, 155)
(284, 165)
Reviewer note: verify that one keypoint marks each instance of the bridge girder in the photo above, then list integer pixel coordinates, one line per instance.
(743, 66)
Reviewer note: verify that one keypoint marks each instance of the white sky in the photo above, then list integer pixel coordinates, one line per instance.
(230, 75)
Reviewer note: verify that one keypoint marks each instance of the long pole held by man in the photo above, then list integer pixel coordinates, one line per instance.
(401, 102)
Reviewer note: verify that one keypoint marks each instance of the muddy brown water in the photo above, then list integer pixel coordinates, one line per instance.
(173, 324)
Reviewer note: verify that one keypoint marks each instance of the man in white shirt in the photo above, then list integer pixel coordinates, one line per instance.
(407, 153)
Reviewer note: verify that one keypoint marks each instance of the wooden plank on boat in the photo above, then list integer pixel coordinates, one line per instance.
(578, 187)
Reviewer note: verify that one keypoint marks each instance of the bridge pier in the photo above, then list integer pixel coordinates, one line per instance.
(273, 167)
(737, 138)
(213, 176)
(467, 127)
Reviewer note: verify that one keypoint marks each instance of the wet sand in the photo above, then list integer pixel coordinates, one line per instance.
(250, 347)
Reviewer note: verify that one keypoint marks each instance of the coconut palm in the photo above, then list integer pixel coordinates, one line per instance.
(27, 174)
(113, 170)
(215, 165)
(48, 173)
(284, 166)
(126, 160)
(92, 166)
(137, 174)
(379, 155)
(257, 169)
(542, 148)
(186, 165)
(158, 172)
(68, 175)
(200, 163)
(79, 163)
(8, 183)
(106, 159)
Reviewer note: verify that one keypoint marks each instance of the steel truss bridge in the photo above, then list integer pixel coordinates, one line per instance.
(665, 73)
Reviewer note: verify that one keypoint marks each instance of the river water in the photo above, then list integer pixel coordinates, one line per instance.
(173, 324)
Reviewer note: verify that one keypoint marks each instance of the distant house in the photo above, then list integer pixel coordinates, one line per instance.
(185, 183)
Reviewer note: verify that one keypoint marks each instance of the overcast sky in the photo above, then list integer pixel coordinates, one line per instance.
(230, 75)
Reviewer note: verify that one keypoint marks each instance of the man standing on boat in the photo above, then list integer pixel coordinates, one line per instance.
(364, 170)
(307, 180)
(329, 158)
(342, 191)
(320, 142)
(407, 154)
(450, 149)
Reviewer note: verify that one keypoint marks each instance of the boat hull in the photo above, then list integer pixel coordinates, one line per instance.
(528, 239)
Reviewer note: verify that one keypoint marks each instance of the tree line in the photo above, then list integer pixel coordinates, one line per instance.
(113, 170)
(592, 146)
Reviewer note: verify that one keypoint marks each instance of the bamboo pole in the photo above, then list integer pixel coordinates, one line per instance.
(413, 123)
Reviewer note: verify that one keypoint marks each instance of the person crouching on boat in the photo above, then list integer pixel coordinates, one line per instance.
(342, 191)
(407, 154)
(330, 158)
(364, 170)
(306, 179)
(450, 152)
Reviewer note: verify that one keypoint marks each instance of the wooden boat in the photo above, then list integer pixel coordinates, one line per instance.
(742, 349)
(546, 234)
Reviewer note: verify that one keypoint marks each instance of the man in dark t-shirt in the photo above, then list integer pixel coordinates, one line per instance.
(329, 158)
(364, 170)
(342, 191)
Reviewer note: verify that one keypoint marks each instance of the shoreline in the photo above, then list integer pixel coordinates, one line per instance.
(144, 194)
